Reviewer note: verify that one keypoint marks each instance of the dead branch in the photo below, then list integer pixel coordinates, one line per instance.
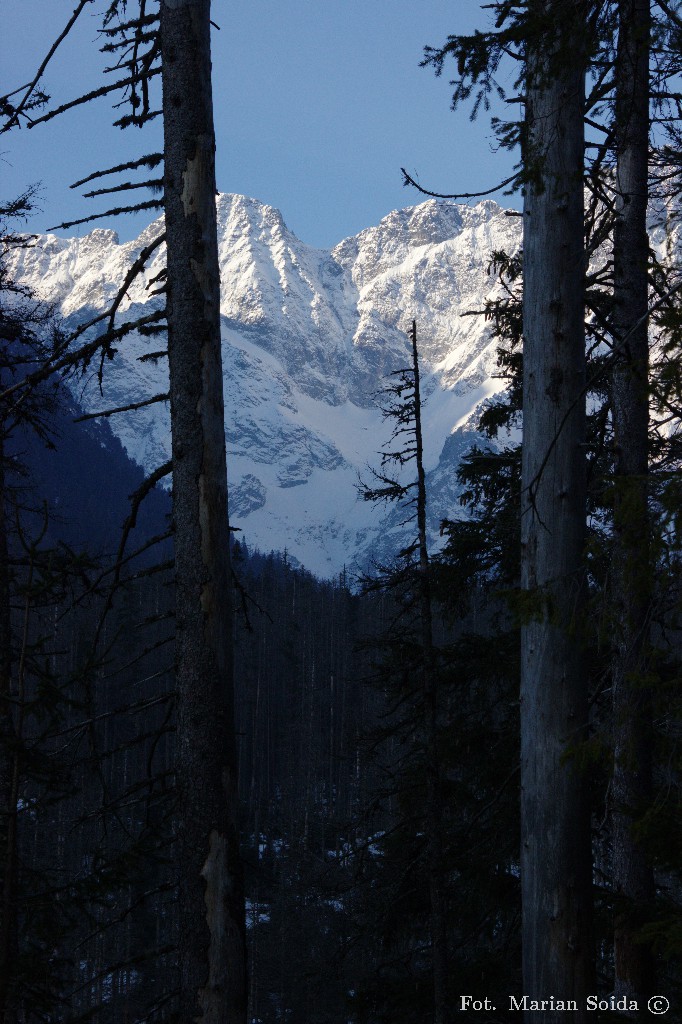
(409, 180)
(152, 204)
(122, 408)
(151, 161)
(94, 94)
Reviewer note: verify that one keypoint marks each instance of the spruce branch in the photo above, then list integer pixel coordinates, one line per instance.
(150, 161)
(607, 364)
(81, 355)
(142, 21)
(151, 357)
(155, 184)
(128, 42)
(137, 119)
(94, 94)
(136, 499)
(152, 204)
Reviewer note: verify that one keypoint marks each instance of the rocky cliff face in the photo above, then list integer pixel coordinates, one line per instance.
(309, 337)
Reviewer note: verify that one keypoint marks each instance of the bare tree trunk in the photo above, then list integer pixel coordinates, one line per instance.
(211, 905)
(633, 880)
(434, 799)
(555, 820)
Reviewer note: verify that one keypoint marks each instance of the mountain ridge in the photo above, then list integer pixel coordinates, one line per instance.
(309, 339)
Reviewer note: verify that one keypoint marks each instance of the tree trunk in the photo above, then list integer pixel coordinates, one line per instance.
(555, 820)
(631, 571)
(211, 902)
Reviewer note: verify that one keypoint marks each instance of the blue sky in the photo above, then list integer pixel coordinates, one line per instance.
(318, 103)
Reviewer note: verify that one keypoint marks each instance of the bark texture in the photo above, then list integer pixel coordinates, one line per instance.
(555, 823)
(631, 571)
(211, 902)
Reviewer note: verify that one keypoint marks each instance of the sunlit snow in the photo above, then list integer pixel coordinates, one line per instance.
(309, 339)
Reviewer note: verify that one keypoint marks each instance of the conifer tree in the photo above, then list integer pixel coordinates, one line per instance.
(413, 577)
(632, 572)
(555, 814)
(211, 912)
(551, 41)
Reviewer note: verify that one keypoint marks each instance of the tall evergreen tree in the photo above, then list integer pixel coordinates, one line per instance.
(555, 815)
(413, 579)
(429, 680)
(633, 882)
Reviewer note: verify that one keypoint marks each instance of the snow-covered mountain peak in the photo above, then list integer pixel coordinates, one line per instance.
(379, 249)
(309, 337)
